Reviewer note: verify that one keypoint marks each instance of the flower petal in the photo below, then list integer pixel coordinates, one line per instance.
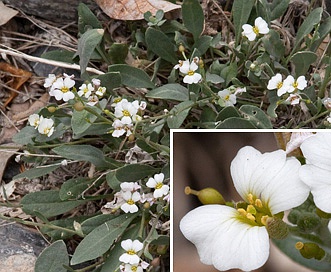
(266, 175)
(319, 181)
(316, 150)
(224, 241)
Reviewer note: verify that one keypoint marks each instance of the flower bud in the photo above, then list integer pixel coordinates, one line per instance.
(131, 138)
(206, 196)
(310, 250)
(276, 228)
(181, 48)
(293, 216)
(51, 109)
(78, 106)
(308, 222)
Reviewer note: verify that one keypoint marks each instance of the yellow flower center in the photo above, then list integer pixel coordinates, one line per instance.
(126, 113)
(85, 90)
(64, 89)
(295, 84)
(256, 30)
(134, 268)
(131, 252)
(227, 97)
(279, 85)
(254, 213)
(130, 202)
(159, 185)
(116, 100)
(190, 73)
(46, 130)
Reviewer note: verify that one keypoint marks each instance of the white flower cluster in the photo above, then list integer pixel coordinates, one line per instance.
(127, 113)
(228, 97)
(289, 85)
(131, 259)
(44, 125)
(129, 196)
(188, 69)
(92, 92)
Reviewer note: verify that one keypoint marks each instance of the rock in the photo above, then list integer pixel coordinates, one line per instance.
(19, 247)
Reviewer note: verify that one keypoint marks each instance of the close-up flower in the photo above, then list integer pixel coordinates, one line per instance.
(157, 183)
(46, 126)
(294, 99)
(132, 248)
(49, 81)
(86, 90)
(62, 89)
(125, 110)
(188, 69)
(227, 98)
(120, 128)
(293, 84)
(236, 237)
(132, 268)
(251, 32)
(276, 82)
(316, 173)
(130, 201)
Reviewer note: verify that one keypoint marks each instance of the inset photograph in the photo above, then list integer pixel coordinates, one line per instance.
(251, 201)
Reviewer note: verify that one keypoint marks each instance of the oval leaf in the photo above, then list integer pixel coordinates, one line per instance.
(134, 172)
(179, 114)
(161, 45)
(193, 17)
(256, 116)
(86, 46)
(132, 76)
(173, 91)
(302, 62)
(53, 258)
(47, 203)
(235, 123)
(101, 238)
(241, 10)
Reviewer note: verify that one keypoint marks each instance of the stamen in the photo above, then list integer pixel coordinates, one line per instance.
(279, 85)
(251, 209)
(258, 203)
(130, 202)
(242, 211)
(250, 216)
(250, 199)
(126, 113)
(64, 89)
(131, 252)
(264, 219)
(295, 84)
(256, 30)
(190, 73)
(159, 185)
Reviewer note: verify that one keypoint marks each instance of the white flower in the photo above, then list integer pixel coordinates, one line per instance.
(120, 128)
(316, 173)
(131, 248)
(188, 69)
(327, 103)
(157, 183)
(86, 90)
(131, 198)
(62, 88)
(276, 82)
(227, 98)
(292, 84)
(96, 82)
(130, 186)
(92, 100)
(132, 268)
(294, 99)
(124, 110)
(46, 126)
(34, 120)
(260, 27)
(235, 238)
(100, 91)
(239, 91)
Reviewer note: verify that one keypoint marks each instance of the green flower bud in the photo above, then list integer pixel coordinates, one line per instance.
(293, 216)
(308, 222)
(310, 250)
(51, 109)
(78, 106)
(277, 228)
(206, 196)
